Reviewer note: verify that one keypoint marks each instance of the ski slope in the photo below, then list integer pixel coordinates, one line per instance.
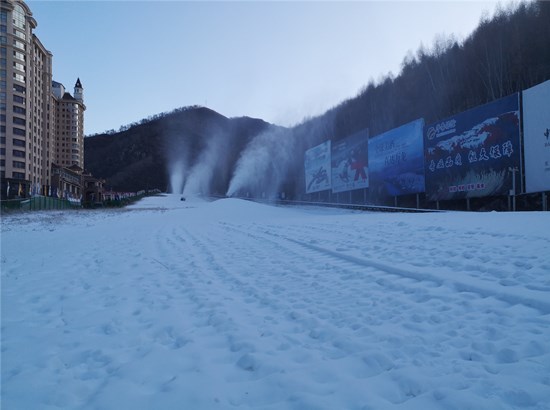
(232, 304)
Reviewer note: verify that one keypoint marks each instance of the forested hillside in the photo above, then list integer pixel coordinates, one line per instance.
(136, 158)
(505, 54)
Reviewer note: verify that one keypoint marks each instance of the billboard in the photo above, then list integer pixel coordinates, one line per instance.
(396, 161)
(317, 168)
(536, 137)
(470, 154)
(350, 162)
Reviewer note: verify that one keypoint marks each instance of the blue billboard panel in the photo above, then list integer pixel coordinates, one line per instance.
(350, 163)
(470, 155)
(396, 161)
(317, 168)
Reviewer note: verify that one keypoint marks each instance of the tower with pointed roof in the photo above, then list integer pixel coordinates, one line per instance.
(69, 125)
(78, 91)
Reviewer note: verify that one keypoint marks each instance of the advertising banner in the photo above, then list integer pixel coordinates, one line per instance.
(396, 161)
(317, 168)
(536, 137)
(470, 154)
(350, 163)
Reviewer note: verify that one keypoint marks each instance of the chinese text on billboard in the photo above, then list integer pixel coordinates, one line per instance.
(396, 161)
(471, 154)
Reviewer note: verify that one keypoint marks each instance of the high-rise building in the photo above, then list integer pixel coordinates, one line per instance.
(69, 125)
(39, 125)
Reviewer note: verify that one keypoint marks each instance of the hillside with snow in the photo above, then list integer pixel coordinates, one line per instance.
(232, 304)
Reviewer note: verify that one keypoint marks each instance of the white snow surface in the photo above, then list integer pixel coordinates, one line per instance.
(233, 304)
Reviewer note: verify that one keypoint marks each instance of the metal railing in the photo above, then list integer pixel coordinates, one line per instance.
(38, 203)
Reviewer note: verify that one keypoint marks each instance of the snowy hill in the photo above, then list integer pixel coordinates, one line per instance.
(215, 305)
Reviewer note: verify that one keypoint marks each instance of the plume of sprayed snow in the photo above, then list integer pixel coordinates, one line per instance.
(264, 164)
(177, 160)
(210, 162)
(177, 169)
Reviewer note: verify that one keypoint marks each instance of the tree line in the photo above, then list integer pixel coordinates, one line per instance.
(506, 53)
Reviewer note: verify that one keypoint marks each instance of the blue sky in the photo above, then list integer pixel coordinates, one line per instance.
(279, 61)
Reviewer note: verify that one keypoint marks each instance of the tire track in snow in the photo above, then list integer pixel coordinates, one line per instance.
(303, 319)
(408, 309)
(513, 263)
(241, 313)
(351, 270)
(257, 327)
(533, 298)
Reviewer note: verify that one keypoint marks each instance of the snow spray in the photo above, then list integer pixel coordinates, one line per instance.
(211, 161)
(263, 164)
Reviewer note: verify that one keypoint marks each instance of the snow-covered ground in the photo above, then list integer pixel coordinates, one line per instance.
(217, 305)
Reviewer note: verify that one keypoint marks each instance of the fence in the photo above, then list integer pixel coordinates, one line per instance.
(38, 203)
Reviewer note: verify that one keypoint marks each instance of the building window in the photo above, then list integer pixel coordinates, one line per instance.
(19, 77)
(19, 89)
(18, 154)
(19, 34)
(19, 121)
(19, 66)
(19, 164)
(18, 143)
(19, 16)
(19, 44)
(19, 131)
(19, 110)
(18, 175)
(18, 99)
(19, 56)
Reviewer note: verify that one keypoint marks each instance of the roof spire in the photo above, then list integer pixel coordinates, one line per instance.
(78, 83)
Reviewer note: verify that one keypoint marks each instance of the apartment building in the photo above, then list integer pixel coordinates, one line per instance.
(69, 125)
(41, 124)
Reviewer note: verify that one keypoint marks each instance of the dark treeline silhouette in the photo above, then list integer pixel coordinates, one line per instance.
(505, 54)
(137, 157)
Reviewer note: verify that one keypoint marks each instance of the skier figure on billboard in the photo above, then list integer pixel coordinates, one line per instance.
(318, 177)
(344, 176)
(358, 164)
